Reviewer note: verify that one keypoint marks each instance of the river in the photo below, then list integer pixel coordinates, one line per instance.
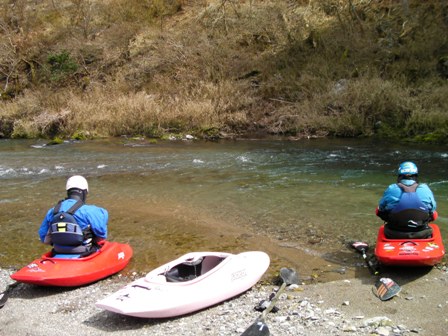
(300, 201)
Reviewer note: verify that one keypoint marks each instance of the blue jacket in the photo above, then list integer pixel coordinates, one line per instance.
(392, 196)
(87, 215)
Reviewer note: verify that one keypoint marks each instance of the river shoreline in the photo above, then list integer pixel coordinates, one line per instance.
(343, 307)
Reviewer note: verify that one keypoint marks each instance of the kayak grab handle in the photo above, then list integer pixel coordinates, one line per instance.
(140, 286)
(43, 261)
(409, 241)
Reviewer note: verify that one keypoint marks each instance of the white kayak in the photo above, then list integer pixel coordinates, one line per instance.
(192, 282)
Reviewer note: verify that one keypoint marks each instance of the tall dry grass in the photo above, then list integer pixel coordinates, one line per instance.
(106, 111)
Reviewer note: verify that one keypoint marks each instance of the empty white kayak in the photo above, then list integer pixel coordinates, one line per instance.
(192, 282)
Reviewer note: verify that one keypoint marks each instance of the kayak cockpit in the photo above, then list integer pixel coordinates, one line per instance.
(191, 269)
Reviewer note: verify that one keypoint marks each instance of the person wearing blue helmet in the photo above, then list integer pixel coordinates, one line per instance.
(72, 226)
(407, 206)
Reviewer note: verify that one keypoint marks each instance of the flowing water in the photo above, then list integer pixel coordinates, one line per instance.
(298, 201)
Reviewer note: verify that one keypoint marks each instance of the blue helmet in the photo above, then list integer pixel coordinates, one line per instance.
(407, 168)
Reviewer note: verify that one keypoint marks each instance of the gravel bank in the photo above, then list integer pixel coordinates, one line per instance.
(343, 307)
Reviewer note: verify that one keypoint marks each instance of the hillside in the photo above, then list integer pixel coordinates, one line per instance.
(219, 68)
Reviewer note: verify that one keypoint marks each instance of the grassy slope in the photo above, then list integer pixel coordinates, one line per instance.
(302, 68)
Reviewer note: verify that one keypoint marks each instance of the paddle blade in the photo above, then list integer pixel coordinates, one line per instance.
(360, 246)
(386, 288)
(258, 328)
(5, 295)
(3, 298)
(289, 276)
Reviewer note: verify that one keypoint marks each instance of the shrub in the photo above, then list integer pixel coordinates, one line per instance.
(62, 66)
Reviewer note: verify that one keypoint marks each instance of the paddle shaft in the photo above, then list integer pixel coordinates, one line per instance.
(259, 327)
(362, 248)
(274, 301)
(368, 262)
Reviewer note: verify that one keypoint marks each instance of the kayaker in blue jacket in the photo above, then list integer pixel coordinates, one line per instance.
(72, 226)
(407, 206)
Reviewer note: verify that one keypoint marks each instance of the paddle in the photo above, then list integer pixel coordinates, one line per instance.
(5, 295)
(3, 298)
(362, 248)
(384, 288)
(259, 327)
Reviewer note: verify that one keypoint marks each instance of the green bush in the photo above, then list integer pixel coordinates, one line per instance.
(62, 66)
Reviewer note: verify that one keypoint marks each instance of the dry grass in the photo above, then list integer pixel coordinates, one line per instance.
(286, 67)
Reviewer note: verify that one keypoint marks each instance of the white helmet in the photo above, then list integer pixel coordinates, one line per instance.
(77, 181)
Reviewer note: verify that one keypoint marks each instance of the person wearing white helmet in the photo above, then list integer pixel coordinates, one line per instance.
(407, 206)
(73, 227)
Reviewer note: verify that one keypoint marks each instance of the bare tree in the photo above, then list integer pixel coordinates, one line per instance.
(82, 16)
(9, 58)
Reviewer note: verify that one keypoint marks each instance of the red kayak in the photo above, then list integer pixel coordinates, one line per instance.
(410, 252)
(66, 271)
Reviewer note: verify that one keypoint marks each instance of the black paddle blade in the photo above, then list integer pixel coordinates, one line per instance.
(289, 276)
(386, 289)
(258, 328)
(3, 298)
(5, 295)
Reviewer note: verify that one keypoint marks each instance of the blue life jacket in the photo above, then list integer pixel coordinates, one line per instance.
(66, 234)
(410, 213)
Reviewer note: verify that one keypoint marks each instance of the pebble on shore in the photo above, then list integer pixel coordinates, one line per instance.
(336, 308)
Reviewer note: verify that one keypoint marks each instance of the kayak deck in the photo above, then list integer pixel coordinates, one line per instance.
(410, 252)
(190, 283)
(71, 272)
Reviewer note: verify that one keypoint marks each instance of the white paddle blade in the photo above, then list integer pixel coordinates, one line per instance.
(360, 246)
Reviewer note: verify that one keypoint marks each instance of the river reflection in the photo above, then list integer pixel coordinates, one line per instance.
(298, 201)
